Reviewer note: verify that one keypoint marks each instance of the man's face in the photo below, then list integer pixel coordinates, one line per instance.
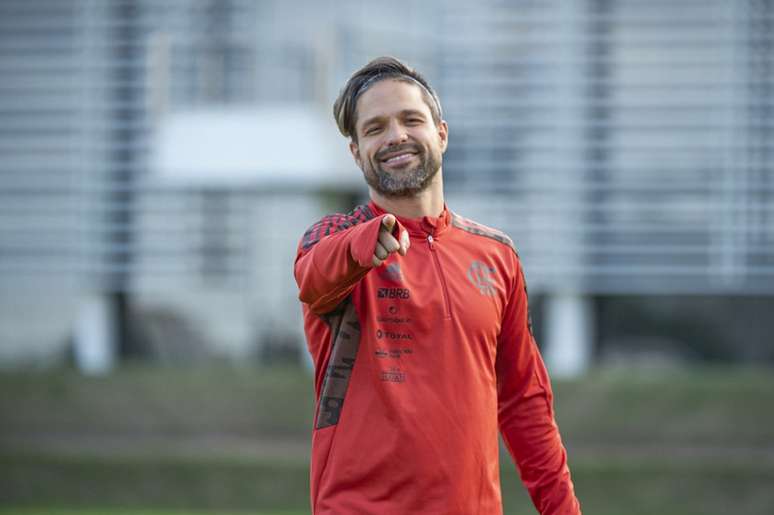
(398, 145)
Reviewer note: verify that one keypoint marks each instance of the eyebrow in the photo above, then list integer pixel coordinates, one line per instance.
(405, 112)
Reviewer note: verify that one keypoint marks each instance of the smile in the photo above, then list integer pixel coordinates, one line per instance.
(399, 158)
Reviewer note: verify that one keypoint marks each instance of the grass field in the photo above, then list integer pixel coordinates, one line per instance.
(151, 441)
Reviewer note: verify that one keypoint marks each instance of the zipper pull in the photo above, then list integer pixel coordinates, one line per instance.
(430, 241)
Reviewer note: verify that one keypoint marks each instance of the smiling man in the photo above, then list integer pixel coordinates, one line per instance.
(418, 324)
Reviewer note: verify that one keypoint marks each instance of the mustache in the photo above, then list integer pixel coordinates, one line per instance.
(398, 148)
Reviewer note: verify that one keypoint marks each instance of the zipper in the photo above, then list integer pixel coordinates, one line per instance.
(445, 289)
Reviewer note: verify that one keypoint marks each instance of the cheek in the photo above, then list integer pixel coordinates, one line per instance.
(368, 154)
(361, 155)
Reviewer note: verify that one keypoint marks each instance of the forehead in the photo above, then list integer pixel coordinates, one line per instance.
(390, 97)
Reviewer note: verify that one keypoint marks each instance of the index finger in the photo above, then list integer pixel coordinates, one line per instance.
(388, 222)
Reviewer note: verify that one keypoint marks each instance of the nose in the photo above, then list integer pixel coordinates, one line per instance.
(396, 133)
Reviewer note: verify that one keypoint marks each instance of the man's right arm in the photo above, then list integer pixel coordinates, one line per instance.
(329, 266)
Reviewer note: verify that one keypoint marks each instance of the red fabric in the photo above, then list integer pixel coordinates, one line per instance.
(444, 359)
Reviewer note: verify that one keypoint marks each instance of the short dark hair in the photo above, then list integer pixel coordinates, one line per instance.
(381, 68)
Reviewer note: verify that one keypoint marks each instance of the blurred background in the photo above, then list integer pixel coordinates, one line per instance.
(159, 161)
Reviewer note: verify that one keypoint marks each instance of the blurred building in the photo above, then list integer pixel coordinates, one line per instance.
(161, 159)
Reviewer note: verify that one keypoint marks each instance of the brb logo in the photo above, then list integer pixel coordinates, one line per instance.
(393, 293)
(481, 276)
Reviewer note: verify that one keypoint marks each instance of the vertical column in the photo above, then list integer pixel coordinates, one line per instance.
(570, 333)
(758, 193)
(569, 312)
(94, 334)
(94, 330)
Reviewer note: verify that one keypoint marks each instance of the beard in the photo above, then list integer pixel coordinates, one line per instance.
(402, 182)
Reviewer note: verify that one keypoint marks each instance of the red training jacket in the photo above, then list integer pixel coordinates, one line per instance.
(418, 362)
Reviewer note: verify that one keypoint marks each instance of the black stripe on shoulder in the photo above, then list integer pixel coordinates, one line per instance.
(482, 230)
(334, 223)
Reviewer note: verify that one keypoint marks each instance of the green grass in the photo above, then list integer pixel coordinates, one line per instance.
(605, 487)
(147, 400)
(708, 406)
(686, 442)
(164, 482)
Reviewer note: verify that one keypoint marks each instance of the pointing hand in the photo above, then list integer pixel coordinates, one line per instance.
(386, 244)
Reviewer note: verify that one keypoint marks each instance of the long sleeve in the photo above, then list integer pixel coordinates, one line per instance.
(525, 411)
(332, 257)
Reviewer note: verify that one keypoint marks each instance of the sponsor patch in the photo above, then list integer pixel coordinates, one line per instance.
(393, 293)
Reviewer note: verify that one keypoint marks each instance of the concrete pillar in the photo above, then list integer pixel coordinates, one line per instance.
(95, 336)
(569, 334)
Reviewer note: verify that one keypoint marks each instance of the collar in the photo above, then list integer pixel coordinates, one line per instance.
(420, 227)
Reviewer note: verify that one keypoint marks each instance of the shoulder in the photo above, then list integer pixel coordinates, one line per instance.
(333, 223)
(482, 231)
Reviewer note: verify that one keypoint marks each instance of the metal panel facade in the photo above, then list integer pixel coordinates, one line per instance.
(626, 146)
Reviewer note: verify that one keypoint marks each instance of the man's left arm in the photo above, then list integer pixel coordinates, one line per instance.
(525, 410)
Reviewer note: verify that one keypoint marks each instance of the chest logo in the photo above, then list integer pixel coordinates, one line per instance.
(481, 276)
(393, 293)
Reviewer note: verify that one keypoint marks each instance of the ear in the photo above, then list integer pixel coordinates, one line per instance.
(355, 151)
(443, 135)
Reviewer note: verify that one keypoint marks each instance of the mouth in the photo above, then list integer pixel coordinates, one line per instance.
(397, 159)
(398, 156)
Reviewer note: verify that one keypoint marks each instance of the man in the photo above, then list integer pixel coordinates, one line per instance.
(417, 322)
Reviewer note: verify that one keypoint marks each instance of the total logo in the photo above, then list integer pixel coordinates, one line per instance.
(392, 335)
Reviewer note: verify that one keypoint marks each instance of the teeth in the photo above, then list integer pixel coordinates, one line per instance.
(400, 157)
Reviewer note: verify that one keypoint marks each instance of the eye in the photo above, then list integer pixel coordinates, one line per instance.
(415, 121)
(371, 130)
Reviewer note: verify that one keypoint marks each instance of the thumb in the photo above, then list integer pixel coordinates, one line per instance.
(388, 222)
(405, 242)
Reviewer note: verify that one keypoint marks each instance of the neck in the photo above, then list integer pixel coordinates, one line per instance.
(428, 202)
